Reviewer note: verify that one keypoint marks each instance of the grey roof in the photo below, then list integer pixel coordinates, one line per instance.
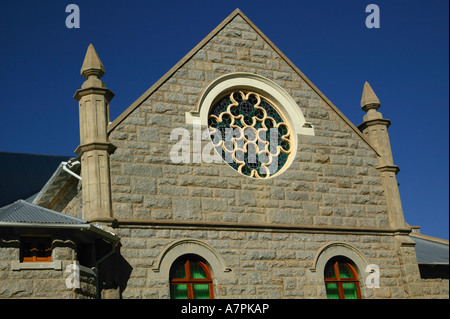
(25, 214)
(23, 175)
(431, 252)
(28, 213)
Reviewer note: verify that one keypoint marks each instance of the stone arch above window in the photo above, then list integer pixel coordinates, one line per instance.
(336, 249)
(182, 247)
(255, 83)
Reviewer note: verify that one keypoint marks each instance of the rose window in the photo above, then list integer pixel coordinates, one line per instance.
(250, 134)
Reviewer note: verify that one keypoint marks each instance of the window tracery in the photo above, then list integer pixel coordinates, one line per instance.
(250, 134)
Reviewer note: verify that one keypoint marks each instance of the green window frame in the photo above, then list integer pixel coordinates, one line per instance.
(190, 278)
(341, 280)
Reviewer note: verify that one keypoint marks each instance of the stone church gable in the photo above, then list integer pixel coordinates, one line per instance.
(331, 182)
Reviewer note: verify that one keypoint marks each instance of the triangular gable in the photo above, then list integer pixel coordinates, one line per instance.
(199, 46)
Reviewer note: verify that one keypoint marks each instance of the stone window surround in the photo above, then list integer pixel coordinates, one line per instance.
(336, 249)
(171, 252)
(252, 82)
(55, 264)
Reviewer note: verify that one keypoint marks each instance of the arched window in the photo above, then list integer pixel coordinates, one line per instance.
(253, 123)
(341, 279)
(190, 279)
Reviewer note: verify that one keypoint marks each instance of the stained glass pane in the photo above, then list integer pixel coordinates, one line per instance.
(329, 270)
(264, 127)
(332, 290)
(201, 291)
(197, 271)
(179, 291)
(350, 290)
(178, 271)
(344, 271)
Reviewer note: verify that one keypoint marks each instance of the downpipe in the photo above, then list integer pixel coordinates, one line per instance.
(66, 166)
(97, 263)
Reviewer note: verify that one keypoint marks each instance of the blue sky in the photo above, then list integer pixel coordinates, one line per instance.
(406, 61)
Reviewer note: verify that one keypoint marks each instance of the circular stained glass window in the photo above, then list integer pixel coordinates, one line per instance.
(250, 134)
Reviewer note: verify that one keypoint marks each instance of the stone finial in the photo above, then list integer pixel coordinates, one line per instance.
(92, 69)
(369, 100)
(92, 64)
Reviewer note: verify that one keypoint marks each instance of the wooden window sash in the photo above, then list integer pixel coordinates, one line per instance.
(189, 282)
(339, 281)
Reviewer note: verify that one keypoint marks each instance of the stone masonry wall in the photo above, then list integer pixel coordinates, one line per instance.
(264, 264)
(435, 288)
(68, 200)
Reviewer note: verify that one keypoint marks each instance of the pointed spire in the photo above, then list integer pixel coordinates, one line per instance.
(369, 100)
(92, 64)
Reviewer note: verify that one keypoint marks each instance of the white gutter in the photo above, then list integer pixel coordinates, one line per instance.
(83, 227)
(67, 165)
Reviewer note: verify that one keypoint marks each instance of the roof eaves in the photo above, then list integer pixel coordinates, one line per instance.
(82, 227)
(110, 237)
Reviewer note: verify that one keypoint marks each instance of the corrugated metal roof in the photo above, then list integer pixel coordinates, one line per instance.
(431, 252)
(23, 175)
(24, 212)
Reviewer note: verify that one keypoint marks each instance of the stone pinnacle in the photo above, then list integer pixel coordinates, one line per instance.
(369, 100)
(92, 64)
